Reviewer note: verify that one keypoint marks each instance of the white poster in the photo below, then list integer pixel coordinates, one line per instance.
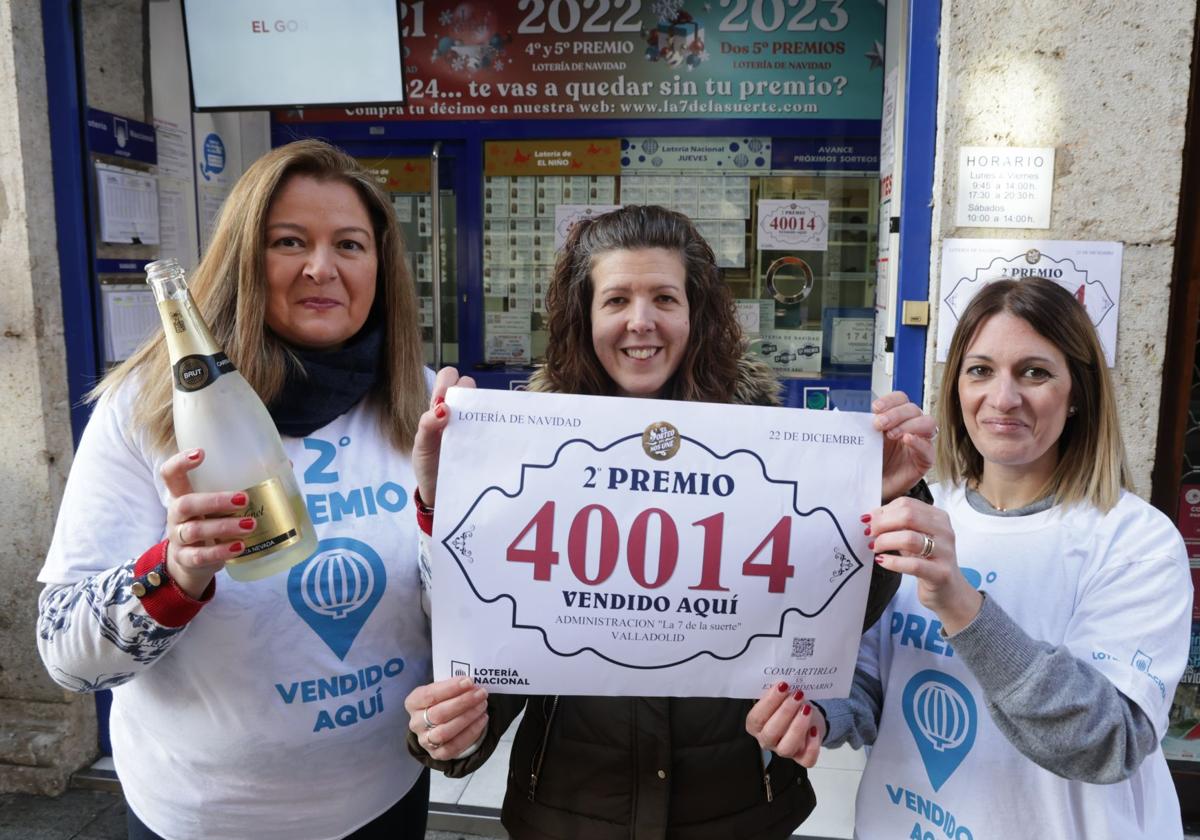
(793, 351)
(602, 546)
(1091, 271)
(790, 224)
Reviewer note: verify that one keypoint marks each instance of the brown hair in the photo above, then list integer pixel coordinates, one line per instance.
(1091, 458)
(708, 370)
(230, 290)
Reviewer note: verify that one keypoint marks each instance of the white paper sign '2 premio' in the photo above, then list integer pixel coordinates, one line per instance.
(1090, 271)
(591, 545)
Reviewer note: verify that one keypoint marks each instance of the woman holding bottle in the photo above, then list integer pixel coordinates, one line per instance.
(637, 307)
(1020, 681)
(271, 708)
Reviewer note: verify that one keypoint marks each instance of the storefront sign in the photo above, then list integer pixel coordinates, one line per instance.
(711, 155)
(400, 174)
(1004, 187)
(110, 134)
(589, 545)
(551, 157)
(634, 59)
(822, 154)
(1091, 271)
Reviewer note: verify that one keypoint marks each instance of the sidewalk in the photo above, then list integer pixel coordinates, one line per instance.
(459, 809)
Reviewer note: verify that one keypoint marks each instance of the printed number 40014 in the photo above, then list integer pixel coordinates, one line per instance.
(543, 557)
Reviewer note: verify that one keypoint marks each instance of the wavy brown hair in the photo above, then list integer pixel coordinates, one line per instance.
(230, 290)
(1091, 457)
(708, 370)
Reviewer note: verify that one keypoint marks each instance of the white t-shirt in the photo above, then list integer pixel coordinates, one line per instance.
(1112, 588)
(278, 712)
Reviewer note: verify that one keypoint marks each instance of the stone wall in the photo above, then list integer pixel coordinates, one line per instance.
(1106, 84)
(45, 732)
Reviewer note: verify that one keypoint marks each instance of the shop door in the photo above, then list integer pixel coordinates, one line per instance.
(411, 175)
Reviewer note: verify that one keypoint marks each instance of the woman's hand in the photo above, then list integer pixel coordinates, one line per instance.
(427, 448)
(907, 442)
(914, 538)
(203, 530)
(447, 716)
(784, 724)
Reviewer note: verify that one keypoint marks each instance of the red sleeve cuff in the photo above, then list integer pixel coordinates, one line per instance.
(424, 513)
(169, 605)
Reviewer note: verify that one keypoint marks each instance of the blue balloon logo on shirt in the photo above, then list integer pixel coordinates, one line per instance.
(973, 577)
(941, 715)
(336, 590)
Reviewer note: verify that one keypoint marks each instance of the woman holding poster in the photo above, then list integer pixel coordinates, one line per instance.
(637, 307)
(1020, 683)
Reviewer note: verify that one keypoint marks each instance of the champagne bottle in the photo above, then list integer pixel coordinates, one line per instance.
(216, 410)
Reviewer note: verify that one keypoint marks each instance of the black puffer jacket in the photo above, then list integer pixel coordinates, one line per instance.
(639, 768)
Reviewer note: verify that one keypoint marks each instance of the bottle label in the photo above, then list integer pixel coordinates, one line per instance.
(276, 521)
(195, 371)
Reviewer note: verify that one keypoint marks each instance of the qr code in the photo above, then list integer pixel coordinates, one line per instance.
(802, 648)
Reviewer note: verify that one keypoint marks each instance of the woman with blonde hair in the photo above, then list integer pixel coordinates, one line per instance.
(269, 709)
(1019, 683)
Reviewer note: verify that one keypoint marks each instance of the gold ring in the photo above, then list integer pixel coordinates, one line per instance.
(927, 548)
(429, 725)
(179, 533)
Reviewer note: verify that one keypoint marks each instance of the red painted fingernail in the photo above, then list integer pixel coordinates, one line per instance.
(799, 695)
(867, 531)
(236, 548)
(871, 545)
(812, 732)
(879, 558)
(239, 499)
(866, 517)
(246, 524)
(194, 455)
(438, 401)
(440, 411)
(782, 687)
(807, 709)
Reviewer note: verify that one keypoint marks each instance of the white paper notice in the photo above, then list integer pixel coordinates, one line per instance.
(130, 315)
(566, 216)
(509, 348)
(793, 225)
(748, 315)
(128, 205)
(592, 545)
(1091, 271)
(174, 148)
(1004, 187)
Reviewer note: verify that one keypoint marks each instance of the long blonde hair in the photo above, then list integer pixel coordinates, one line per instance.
(230, 289)
(1091, 457)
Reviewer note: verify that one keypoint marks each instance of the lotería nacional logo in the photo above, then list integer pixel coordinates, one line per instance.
(660, 440)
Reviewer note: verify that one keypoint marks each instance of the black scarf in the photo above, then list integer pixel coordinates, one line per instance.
(327, 383)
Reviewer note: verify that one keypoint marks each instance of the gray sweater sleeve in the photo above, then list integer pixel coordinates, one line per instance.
(1057, 710)
(855, 720)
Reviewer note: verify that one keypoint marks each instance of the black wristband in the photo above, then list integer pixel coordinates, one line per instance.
(152, 580)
